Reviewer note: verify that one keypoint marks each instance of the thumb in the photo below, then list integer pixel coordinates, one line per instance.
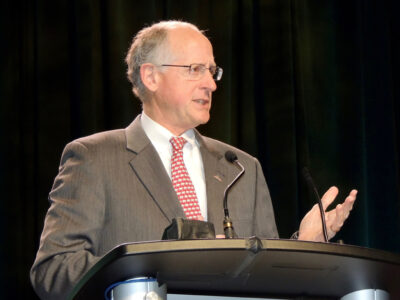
(329, 196)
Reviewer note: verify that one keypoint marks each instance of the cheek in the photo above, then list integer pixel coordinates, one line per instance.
(182, 97)
(179, 94)
(172, 97)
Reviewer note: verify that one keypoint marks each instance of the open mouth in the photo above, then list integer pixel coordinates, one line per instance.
(202, 101)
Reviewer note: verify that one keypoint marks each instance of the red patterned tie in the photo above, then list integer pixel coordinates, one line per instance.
(181, 181)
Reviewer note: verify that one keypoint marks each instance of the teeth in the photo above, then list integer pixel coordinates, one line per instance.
(201, 101)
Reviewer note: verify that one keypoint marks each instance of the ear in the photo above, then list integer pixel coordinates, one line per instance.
(148, 74)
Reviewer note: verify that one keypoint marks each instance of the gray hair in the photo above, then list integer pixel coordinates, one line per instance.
(150, 46)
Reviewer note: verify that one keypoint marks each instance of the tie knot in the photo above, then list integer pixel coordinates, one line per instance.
(177, 143)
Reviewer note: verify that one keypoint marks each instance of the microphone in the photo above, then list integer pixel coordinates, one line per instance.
(228, 226)
(312, 187)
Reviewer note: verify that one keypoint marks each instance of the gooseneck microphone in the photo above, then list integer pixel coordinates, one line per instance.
(312, 187)
(228, 226)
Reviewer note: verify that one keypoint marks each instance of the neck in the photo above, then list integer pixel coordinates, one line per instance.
(161, 120)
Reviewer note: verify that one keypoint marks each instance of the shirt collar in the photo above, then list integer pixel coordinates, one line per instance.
(160, 136)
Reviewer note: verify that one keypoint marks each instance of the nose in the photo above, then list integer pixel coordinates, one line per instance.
(209, 82)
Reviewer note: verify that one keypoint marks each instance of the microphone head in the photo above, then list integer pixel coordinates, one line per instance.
(230, 156)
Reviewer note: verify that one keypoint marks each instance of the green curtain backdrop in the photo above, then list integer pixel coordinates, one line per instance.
(306, 83)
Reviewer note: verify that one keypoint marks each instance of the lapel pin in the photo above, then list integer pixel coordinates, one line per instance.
(218, 178)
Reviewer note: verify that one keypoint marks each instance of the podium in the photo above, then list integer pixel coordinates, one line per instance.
(247, 268)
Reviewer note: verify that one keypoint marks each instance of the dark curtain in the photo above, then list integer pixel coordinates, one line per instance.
(306, 83)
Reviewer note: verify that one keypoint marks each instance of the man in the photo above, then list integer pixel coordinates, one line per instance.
(122, 186)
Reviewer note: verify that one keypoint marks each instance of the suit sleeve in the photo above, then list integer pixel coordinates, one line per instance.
(264, 218)
(72, 225)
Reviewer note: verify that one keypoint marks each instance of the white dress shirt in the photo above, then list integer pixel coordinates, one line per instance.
(160, 136)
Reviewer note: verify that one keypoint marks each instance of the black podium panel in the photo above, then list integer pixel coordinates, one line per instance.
(247, 267)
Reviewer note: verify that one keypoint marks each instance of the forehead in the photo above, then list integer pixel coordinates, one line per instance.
(190, 46)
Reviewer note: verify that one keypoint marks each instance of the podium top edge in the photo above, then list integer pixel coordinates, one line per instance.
(251, 244)
(264, 245)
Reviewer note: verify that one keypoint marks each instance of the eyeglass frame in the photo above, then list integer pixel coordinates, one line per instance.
(216, 76)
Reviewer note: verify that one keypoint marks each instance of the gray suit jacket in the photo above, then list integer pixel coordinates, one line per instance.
(112, 188)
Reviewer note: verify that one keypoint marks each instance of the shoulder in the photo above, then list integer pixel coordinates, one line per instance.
(220, 148)
(101, 141)
(100, 144)
(103, 138)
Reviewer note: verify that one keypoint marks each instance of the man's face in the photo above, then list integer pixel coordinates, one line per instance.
(180, 103)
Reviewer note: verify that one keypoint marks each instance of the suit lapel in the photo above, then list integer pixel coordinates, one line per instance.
(149, 169)
(218, 174)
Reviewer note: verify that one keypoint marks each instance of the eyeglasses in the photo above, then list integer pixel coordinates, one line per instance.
(197, 71)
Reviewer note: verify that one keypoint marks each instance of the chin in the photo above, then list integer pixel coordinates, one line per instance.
(205, 120)
(200, 119)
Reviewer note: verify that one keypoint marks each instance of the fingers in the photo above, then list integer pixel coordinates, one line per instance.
(329, 196)
(352, 196)
(339, 220)
(334, 220)
(339, 215)
(336, 217)
(349, 202)
(310, 226)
